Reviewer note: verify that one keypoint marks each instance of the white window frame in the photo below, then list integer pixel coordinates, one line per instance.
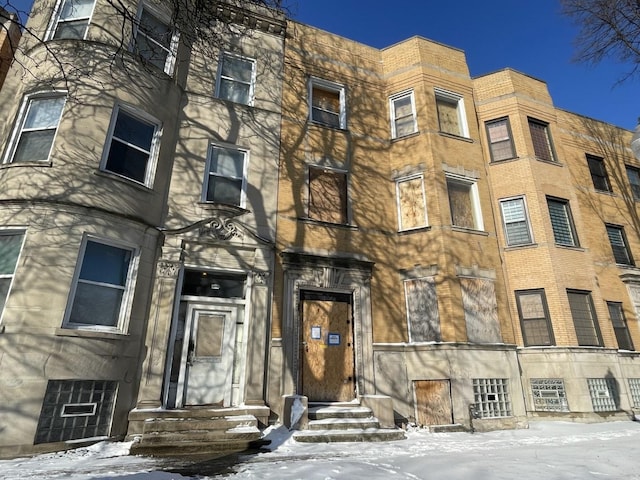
(392, 112)
(420, 176)
(474, 195)
(172, 51)
(21, 118)
(525, 209)
(251, 84)
(207, 171)
(452, 97)
(330, 87)
(12, 231)
(154, 148)
(55, 20)
(128, 291)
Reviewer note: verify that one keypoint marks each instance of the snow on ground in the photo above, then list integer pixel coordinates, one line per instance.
(547, 450)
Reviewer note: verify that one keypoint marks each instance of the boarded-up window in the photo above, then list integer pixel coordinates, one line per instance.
(500, 142)
(327, 195)
(422, 310)
(480, 310)
(534, 317)
(634, 295)
(584, 318)
(448, 116)
(541, 140)
(411, 203)
(461, 203)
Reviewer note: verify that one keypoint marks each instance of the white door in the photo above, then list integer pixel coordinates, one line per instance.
(207, 358)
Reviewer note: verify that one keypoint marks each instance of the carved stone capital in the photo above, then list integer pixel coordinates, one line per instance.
(168, 269)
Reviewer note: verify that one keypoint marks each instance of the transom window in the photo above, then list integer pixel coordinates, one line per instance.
(72, 19)
(464, 203)
(225, 176)
(451, 113)
(10, 247)
(103, 282)
(131, 145)
(328, 195)
(619, 245)
(236, 76)
(562, 222)
(598, 173)
(542, 146)
(584, 318)
(327, 103)
(155, 42)
(620, 327)
(534, 317)
(633, 174)
(36, 129)
(412, 209)
(403, 114)
(516, 222)
(500, 139)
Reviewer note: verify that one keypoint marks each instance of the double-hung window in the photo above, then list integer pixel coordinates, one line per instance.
(452, 118)
(500, 139)
(619, 245)
(72, 19)
(584, 318)
(403, 114)
(620, 326)
(541, 138)
(154, 40)
(633, 174)
(534, 317)
(131, 147)
(236, 78)
(36, 129)
(464, 203)
(10, 246)
(517, 230)
(412, 209)
(598, 172)
(225, 176)
(562, 222)
(328, 195)
(327, 103)
(103, 285)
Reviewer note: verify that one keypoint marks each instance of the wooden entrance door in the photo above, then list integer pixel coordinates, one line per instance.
(433, 402)
(327, 351)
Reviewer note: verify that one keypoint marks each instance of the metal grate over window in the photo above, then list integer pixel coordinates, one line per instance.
(74, 409)
(604, 394)
(549, 395)
(634, 389)
(491, 397)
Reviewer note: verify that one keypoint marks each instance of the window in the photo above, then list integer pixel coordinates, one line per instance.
(541, 138)
(10, 246)
(225, 176)
(328, 195)
(534, 317)
(422, 310)
(154, 41)
(131, 145)
(491, 397)
(633, 174)
(412, 209)
(598, 174)
(464, 203)
(480, 310)
(236, 77)
(619, 245)
(75, 409)
(103, 284)
(516, 223)
(584, 318)
(500, 140)
(562, 222)
(72, 19)
(327, 103)
(620, 326)
(549, 395)
(36, 129)
(604, 394)
(634, 388)
(451, 113)
(403, 115)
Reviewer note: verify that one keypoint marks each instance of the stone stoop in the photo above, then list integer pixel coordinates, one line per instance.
(345, 423)
(198, 431)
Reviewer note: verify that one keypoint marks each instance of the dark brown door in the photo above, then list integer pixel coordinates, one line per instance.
(327, 351)
(433, 402)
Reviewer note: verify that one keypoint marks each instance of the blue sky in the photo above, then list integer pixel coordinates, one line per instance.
(527, 35)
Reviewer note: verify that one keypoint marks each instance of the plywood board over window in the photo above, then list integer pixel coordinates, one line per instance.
(422, 310)
(480, 310)
(328, 195)
(411, 203)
